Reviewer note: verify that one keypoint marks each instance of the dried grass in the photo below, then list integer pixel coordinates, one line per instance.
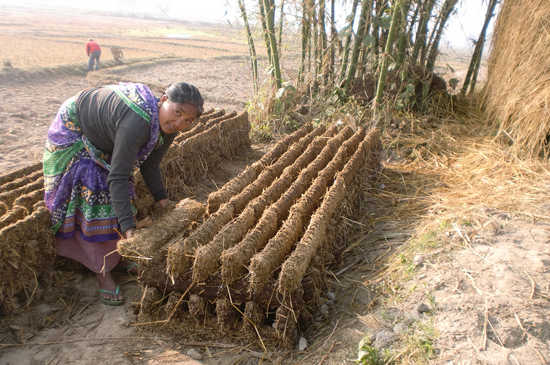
(461, 169)
(443, 171)
(518, 85)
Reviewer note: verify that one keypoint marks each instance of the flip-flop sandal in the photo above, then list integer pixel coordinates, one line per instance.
(126, 269)
(110, 302)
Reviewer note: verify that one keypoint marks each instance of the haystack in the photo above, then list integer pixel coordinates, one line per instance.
(518, 84)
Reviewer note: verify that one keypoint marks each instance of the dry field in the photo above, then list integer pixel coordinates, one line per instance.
(27, 42)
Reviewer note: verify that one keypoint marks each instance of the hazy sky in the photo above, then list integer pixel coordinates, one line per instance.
(464, 25)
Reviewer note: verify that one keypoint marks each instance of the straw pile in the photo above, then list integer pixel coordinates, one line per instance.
(27, 246)
(265, 247)
(518, 84)
(214, 137)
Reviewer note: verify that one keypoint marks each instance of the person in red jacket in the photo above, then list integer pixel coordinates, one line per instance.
(94, 51)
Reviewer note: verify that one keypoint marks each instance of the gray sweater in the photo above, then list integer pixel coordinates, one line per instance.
(114, 128)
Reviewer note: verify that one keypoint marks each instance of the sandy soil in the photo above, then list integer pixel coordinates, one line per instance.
(486, 298)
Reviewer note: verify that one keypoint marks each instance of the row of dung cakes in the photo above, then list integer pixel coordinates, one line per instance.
(27, 246)
(264, 244)
(215, 136)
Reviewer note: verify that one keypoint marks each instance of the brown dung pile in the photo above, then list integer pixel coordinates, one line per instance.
(27, 246)
(260, 257)
(518, 83)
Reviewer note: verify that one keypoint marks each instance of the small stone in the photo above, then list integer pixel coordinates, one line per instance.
(422, 308)
(381, 186)
(421, 276)
(194, 354)
(324, 309)
(302, 344)
(331, 296)
(383, 339)
(400, 328)
(44, 309)
(418, 260)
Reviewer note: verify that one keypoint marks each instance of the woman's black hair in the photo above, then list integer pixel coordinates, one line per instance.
(185, 93)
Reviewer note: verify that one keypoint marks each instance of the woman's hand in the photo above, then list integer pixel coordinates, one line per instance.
(129, 233)
(166, 204)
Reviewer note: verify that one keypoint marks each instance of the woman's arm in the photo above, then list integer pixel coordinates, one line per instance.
(150, 171)
(130, 137)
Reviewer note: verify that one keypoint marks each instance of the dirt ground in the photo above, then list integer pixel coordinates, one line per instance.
(480, 297)
(30, 107)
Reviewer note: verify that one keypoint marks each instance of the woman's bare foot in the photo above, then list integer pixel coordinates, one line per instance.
(106, 282)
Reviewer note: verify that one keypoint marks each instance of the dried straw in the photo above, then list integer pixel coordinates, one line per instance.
(518, 84)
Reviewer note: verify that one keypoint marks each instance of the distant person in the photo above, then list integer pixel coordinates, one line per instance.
(117, 53)
(96, 142)
(94, 51)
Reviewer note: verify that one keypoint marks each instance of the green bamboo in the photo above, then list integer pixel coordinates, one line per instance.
(403, 36)
(345, 57)
(366, 8)
(306, 30)
(265, 31)
(385, 61)
(251, 48)
(413, 21)
(424, 49)
(269, 16)
(362, 61)
(446, 11)
(281, 19)
(475, 62)
(422, 31)
(333, 41)
(322, 45)
(380, 6)
(315, 45)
